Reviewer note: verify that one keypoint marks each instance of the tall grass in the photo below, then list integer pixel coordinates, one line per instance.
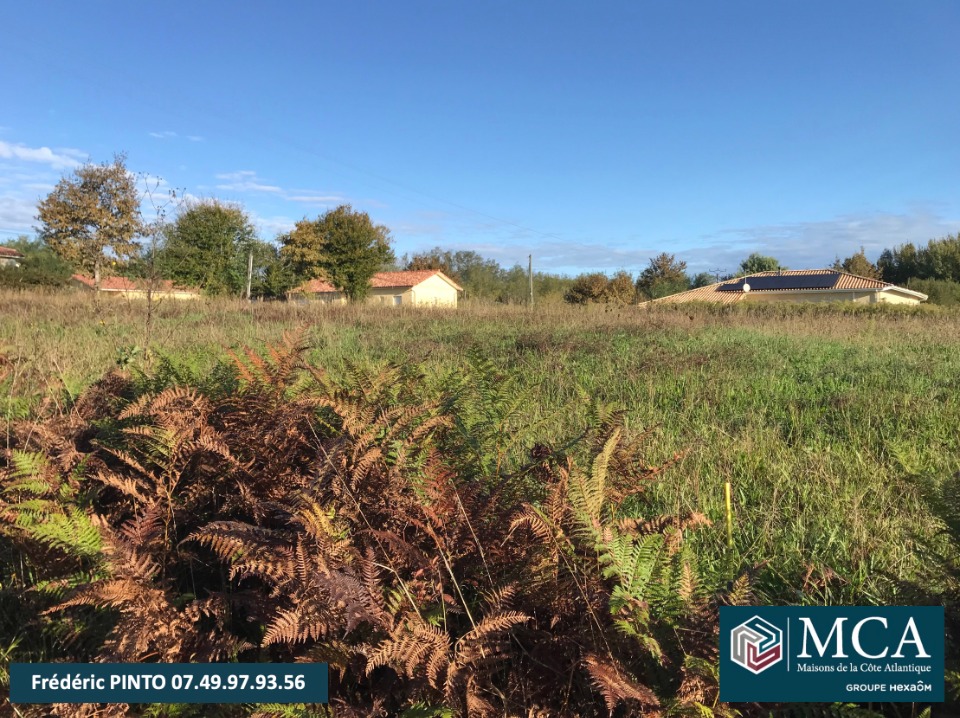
(833, 425)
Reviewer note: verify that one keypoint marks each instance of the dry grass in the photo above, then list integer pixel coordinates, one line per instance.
(836, 424)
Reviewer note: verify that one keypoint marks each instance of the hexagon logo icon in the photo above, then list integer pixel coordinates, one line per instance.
(756, 645)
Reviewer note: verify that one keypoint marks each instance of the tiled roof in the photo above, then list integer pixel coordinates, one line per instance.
(702, 294)
(380, 280)
(122, 284)
(316, 286)
(401, 279)
(10, 252)
(712, 293)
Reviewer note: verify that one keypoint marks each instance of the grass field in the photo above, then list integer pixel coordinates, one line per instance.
(836, 428)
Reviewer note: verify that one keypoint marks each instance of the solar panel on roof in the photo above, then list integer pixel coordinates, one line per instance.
(784, 281)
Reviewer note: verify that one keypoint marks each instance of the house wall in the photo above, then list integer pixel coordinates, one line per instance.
(434, 292)
(140, 293)
(326, 297)
(867, 296)
(157, 294)
(9, 262)
(386, 296)
(892, 298)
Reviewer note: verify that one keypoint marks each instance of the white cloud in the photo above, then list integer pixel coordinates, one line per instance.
(270, 227)
(800, 245)
(817, 243)
(244, 181)
(565, 256)
(62, 158)
(171, 135)
(26, 174)
(17, 214)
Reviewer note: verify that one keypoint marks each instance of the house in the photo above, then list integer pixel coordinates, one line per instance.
(9, 257)
(424, 288)
(135, 288)
(801, 285)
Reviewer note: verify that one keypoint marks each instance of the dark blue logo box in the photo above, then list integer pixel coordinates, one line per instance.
(854, 654)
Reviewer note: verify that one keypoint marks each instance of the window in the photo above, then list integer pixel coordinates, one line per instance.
(398, 300)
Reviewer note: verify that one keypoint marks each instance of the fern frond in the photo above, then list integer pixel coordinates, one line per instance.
(616, 686)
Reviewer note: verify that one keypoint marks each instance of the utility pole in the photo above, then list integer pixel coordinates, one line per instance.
(249, 272)
(530, 277)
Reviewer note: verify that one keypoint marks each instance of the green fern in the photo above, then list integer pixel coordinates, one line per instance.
(41, 507)
(72, 532)
(422, 710)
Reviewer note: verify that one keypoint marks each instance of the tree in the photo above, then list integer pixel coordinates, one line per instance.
(940, 259)
(588, 289)
(206, 246)
(272, 275)
(277, 277)
(482, 278)
(91, 214)
(704, 279)
(342, 246)
(436, 258)
(858, 264)
(621, 289)
(757, 262)
(597, 288)
(664, 276)
(899, 264)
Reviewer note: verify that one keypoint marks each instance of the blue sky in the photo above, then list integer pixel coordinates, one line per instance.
(593, 135)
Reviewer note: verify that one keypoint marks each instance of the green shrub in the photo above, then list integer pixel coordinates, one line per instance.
(40, 267)
(939, 291)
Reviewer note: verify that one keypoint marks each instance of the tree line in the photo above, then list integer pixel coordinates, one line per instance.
(93, 222)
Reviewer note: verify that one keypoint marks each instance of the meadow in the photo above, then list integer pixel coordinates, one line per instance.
(836, 427)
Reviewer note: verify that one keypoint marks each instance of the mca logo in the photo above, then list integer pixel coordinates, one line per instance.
(756, 645)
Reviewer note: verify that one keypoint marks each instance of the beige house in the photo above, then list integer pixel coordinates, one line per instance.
(423, 288)
(9, 257)
(135, 288)
(799, 285)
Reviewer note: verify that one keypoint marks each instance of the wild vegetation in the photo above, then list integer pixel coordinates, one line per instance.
(483, 511)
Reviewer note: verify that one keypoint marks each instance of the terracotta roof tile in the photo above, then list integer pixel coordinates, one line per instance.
(316, 286)
(10, 252)
(401, 279)
(380, 280)
(122, 284)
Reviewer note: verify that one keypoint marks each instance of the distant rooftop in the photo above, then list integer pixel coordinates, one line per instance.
(122, 284)
(787, 280)
(11, 253)
(381, 280)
